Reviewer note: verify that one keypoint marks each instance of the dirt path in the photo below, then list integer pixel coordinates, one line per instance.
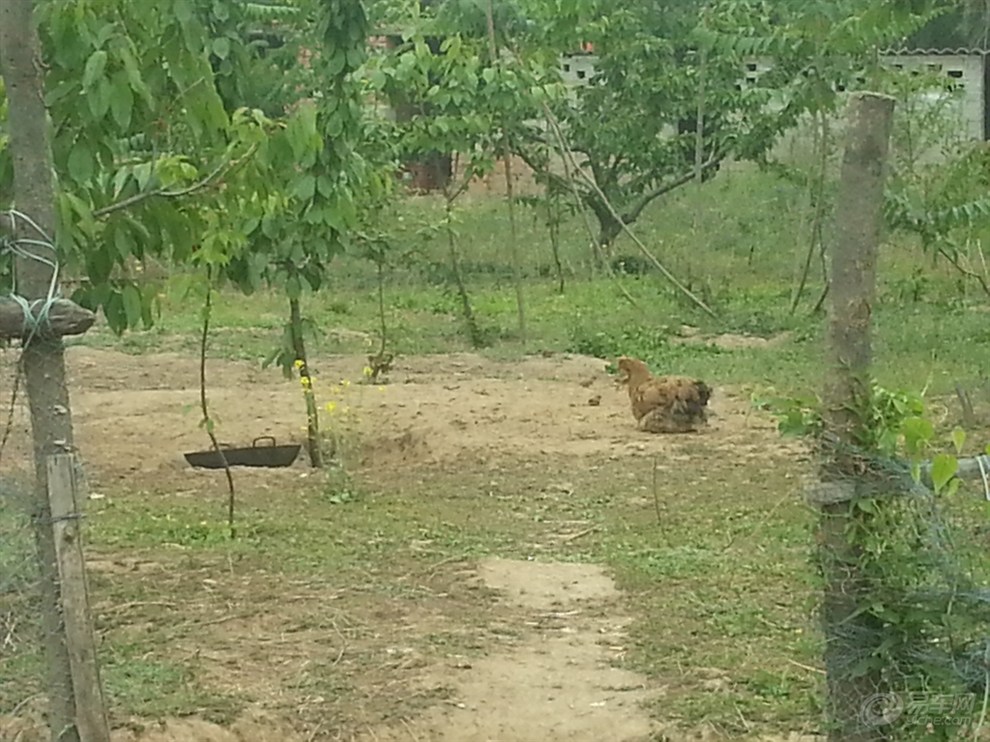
(553, 680)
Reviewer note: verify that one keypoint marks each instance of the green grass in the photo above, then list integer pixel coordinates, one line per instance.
(721, 581)
(735, 242)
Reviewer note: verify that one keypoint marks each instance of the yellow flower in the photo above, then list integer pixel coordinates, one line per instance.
(367, 371)
(345, 383)
(331, 406)
(298, 363)
(381, 389)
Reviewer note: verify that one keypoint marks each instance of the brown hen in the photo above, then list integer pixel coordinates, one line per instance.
(664, 404)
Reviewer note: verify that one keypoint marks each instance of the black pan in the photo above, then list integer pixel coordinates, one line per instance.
(255, 455)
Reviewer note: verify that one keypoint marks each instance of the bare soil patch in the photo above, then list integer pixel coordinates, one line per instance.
(136, 415)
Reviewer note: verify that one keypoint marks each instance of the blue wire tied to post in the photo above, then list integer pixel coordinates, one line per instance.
(33, 323)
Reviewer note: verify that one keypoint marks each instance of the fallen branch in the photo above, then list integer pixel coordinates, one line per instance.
(579, 534)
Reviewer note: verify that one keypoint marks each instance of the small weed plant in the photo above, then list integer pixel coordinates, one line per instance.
(340, 434)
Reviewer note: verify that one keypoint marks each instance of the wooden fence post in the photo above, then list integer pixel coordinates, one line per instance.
(32, 225)
(853, 687)
(64, 498)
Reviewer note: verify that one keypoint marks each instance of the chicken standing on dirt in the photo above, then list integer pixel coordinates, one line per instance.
(664, 404)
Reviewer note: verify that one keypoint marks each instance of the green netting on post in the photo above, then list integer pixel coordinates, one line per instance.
(922, 633)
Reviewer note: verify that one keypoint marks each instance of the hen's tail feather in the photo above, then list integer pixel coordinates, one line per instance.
(663, 421)
(704, 391)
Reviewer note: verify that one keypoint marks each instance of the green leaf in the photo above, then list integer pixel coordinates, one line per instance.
(944, 468)
(150, 306)
(80, 163)
(221, 46)
(325, 186)
(95, 66)
(122, 242)
(305, 187)
(867, 505)
(220, 10)
(121, 100)
(917, 432)
(132, 305)
(99, 98)
(959, 440)
(183, 11)
(119, 181)
(954, 484)
(113, 310)
(134, 78)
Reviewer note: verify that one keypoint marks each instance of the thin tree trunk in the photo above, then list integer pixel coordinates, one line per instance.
(205, 408)
(553, 227)
(699, 131)
(509, 195)
(313, 443)
(818, 198)
(383, 324)
(43, 361)
(851, 634)
(517, 271)
(474, 332)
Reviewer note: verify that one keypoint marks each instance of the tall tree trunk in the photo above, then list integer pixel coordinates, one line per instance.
(43, 361)
(852, 634)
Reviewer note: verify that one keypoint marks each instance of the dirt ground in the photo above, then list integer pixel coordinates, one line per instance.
(553, 679)
(136, 415)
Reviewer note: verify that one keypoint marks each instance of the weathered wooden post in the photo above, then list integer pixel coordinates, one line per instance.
(854, 686)
(39, 320)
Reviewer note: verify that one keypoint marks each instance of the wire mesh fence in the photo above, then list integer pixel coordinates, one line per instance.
(21, 663)
(20, 632)
(911, 655)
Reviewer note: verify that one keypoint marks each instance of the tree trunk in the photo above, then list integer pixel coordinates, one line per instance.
(815, 242)
(553, 226)
(43, 361)
(609, 229)
(474, 332)
(313, 443)
(509, 194)
(851, 634)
